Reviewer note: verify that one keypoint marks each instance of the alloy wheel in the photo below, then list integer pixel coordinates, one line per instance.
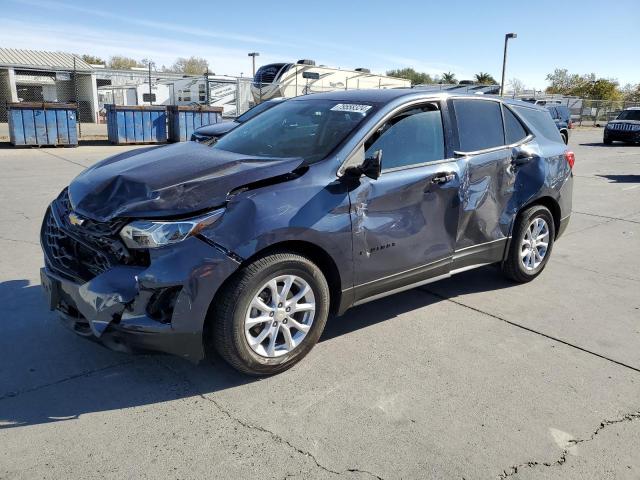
(279, 316)
(535, 244)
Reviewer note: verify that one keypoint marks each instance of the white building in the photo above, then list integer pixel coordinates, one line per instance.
(37, 76)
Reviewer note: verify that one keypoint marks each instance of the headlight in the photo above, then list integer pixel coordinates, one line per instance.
(152, 234)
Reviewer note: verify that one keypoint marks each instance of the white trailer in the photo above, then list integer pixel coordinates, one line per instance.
(293, 79)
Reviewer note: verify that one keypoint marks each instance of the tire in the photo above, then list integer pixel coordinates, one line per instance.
(606, 141)
(514, 265)
(234, 305)
(565, 138)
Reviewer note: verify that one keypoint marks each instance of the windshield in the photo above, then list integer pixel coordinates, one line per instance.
(252, 112)
(629, 115)
(308, 129)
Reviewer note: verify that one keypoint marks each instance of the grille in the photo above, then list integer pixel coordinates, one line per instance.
(69, 255)
(85, 251)
(624, 127)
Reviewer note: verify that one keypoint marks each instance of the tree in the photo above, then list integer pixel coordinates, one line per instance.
(92, 60)
(517, 86)
(560, 81)
(600, 89)
(585, 86)
(124, 63)
(484, 78)
(417, 78)
(449, 78)
(631, 93)
(192, 65)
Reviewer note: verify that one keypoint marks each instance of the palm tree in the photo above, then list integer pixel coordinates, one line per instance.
(449, 78)
(484, 78)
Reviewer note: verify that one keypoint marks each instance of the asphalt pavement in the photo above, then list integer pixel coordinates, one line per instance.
(471, 377)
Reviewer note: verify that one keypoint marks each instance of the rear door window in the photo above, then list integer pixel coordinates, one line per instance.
(514, 132)
(412, 137)
(479, 124)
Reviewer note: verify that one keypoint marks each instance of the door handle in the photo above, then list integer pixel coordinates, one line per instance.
(442, 178)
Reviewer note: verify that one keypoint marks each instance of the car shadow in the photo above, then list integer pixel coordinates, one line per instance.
(600, 144)
(621, 178)
(118, 381)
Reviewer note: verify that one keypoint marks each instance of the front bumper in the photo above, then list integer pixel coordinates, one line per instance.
(114, 307)
(622, 136)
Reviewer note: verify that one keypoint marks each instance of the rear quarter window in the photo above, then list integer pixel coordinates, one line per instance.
(541, 122)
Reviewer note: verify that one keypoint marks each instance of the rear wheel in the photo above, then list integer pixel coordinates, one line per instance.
(606, 141)
(270, 314)
(565, 137)
(531, 244)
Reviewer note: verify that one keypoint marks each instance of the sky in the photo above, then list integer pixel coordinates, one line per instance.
(464, 37)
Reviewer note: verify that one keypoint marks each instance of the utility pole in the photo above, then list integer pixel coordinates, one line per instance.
(150, 93)
(253, 56)
(504, 59)
(206, 85)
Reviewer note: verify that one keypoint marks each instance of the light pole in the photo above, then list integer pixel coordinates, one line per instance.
(150, 91)
(253, 56)
(504, 59)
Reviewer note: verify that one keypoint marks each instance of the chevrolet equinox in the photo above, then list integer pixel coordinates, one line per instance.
(320, 203)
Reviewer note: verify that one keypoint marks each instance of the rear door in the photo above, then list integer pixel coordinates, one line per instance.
(405, 222)
(486, 131)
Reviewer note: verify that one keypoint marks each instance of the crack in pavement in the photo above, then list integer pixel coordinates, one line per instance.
(19, 241)
(62, 380)
(532, 330)
(284, 441)
(514, 469)
(63, 159)
(610, 218)
(259, 428)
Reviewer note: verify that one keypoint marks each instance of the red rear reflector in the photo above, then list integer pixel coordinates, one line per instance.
(570, 157)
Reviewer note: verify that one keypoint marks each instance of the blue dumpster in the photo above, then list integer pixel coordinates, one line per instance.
(183, 120)
(136, 124)
(42, 123)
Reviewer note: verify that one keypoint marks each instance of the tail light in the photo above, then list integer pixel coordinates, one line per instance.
(570, 124)
(570, 157)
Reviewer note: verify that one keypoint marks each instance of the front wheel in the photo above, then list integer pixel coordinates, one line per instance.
(270, 314)
(606, 141)
(531, 244)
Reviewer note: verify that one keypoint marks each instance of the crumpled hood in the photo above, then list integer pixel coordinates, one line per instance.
(166, 181)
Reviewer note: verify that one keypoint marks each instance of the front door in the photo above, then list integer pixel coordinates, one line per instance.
(405, 222)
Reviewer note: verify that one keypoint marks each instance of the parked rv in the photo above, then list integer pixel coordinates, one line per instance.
(303, 77)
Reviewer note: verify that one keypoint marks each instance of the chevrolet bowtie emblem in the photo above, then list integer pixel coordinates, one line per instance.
(75, 219)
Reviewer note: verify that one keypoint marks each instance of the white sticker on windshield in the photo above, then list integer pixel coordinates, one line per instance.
(351, 107)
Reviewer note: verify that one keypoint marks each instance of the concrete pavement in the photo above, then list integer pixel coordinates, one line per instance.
(472, 377)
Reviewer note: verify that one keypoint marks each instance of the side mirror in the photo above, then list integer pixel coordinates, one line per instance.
(371, 167)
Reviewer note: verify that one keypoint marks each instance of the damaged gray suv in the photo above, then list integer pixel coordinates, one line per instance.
(323, 202)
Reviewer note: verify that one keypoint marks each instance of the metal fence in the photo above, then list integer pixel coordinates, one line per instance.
(92, 90)
(585, 112)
